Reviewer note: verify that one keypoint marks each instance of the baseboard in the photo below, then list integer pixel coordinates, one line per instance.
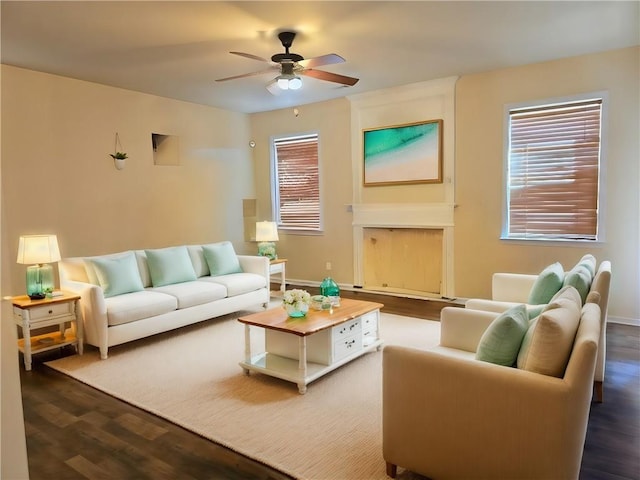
(351, 288)
(624, 321)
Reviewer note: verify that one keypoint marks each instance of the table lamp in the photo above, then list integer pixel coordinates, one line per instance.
(39, 251)
(266, 234)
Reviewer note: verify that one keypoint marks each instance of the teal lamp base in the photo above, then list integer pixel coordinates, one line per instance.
(39, 281)
(267, 249)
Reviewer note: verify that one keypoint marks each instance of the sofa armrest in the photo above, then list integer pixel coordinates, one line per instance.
(512, 287)
(94, 313)
(462, 328)
(439, 409)
(489, 305)
(255, 264)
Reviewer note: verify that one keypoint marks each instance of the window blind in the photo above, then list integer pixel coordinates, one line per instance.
(554, 158)
(298, 180)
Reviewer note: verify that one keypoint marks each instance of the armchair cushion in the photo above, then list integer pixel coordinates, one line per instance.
(547, 345)
(500, 343)
(547, 284)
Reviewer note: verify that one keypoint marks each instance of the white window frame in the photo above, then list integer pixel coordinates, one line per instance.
(604, 134)
(275, 187)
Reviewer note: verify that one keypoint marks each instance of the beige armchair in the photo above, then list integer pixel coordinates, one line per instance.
(449, 416)
(509, 289)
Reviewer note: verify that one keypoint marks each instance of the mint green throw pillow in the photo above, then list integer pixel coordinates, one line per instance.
(580, 278)
(221, 258)
(117, 275)
(500, 343)
(547, 284)
(589, 262)
(170, 265)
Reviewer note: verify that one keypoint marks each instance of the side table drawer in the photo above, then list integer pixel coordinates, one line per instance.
(46, 312)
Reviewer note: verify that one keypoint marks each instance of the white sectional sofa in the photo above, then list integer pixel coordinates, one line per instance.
(130, 295)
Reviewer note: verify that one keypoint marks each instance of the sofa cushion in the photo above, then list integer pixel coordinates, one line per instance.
(197, 259)
(190, 294)
(547, 345)
(130, 307)
(580, 278)
(589, 261)
(117, 275)
(91, 271)
(170, 265)
(547, 284)
(221, 258)
(568, 293)
(500, 343)
(143, 267)
(238, 283)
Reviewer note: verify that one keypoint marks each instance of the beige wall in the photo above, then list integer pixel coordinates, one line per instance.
(480, 101)
(479, 163)
(308, 254)
(13, 446)
(58, 176)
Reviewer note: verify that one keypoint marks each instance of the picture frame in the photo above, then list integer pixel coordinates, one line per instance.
(403, 154)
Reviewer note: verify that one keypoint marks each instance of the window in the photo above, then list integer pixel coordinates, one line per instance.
(296, 182)
(553, 171)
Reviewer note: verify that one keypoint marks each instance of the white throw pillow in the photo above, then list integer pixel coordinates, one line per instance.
(547, 345)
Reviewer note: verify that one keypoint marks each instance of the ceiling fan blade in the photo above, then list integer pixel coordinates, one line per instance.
(330, 77)
(329, 59)
(252, 57)
(268, 70)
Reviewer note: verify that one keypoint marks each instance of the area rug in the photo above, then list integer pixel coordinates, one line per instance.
(191, 377)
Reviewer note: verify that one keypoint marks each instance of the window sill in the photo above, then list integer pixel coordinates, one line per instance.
(553, 242)
(296, 231)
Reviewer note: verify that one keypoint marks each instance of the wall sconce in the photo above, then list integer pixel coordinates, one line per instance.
(39, 251)
(266, 235)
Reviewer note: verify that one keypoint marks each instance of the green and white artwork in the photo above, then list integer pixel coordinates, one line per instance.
(410, 153)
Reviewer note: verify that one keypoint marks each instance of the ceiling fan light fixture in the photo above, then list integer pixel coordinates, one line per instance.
(289, 82)
(295, 83)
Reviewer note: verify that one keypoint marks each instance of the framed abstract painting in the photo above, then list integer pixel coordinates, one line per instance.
(403, 154)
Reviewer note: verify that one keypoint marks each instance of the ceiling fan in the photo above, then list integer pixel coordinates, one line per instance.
(292, 65)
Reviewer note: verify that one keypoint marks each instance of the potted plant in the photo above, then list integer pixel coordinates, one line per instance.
(296, 302)
(119, 158)
(119, 155)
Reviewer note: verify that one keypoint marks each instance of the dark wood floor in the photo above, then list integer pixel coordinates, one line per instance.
(77, 432)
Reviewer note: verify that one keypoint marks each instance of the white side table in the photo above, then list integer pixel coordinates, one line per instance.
(33, 314)
(278, 266)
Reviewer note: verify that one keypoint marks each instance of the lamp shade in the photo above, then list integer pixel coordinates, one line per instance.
(37, 249)
(266, 232)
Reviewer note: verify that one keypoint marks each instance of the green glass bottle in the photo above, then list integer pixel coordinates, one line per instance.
(330, 289)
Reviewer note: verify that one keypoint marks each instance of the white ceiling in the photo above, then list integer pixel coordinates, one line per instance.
(178, 49)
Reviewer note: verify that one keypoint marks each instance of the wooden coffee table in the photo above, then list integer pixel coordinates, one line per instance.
(300, 350)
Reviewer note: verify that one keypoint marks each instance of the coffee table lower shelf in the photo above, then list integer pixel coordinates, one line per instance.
(292, 370)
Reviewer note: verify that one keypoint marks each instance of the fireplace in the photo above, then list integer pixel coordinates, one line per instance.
(404, 248)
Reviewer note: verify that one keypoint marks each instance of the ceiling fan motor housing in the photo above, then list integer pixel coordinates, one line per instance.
(287, 40)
